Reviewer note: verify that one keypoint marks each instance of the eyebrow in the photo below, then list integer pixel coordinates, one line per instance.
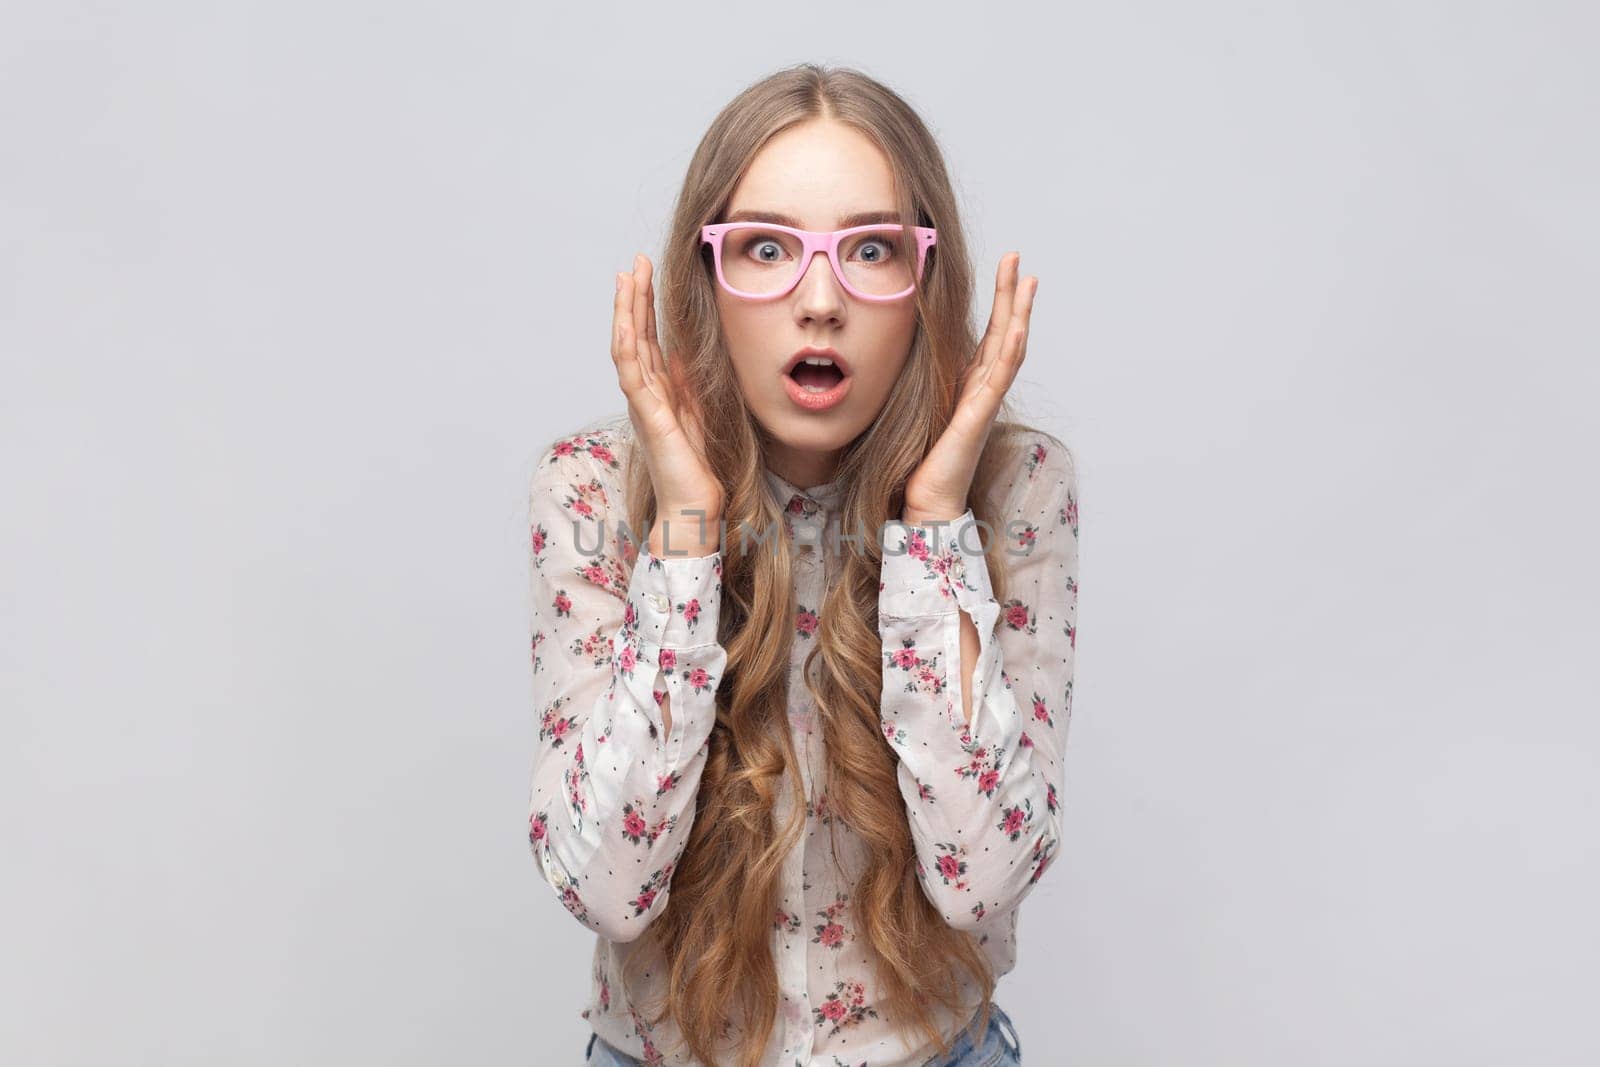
(860, 218)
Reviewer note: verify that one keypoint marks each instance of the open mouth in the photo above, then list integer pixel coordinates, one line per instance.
(816, 377)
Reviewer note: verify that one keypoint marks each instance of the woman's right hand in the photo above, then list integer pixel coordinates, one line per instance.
(667, 420)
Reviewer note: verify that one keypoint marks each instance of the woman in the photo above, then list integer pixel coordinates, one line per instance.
(796, 777)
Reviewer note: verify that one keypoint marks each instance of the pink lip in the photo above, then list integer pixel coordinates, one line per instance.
(816, 401)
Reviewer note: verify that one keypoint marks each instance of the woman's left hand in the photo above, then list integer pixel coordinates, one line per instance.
(937, 490)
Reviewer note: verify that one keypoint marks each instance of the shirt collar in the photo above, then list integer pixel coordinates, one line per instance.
(825, 498)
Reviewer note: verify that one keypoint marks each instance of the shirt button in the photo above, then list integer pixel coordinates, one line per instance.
(659, 601)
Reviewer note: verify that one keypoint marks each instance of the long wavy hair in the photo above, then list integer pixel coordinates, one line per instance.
(713, 938)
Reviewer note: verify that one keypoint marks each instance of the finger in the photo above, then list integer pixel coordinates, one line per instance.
(1003, 371)
(1005, 287)
(652, 338)
(628, 373)
(641, 301)
(981, 402)
(634, 377)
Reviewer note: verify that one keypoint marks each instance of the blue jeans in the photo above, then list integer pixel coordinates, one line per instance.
(997, 1046)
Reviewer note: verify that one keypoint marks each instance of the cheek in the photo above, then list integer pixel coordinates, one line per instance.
(892, 346)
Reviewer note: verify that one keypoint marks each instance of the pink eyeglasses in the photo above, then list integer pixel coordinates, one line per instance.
(765, 261)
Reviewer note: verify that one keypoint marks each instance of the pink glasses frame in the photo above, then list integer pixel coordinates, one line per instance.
(812, 242)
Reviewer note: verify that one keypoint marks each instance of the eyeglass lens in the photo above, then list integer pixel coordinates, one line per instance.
(877, 262)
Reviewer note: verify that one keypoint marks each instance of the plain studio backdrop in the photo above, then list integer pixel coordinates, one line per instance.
(291, 296)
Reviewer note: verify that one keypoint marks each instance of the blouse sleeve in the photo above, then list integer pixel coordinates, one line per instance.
(982, 797)
(613, 791)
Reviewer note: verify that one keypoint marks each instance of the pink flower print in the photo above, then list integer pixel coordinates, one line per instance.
(538, 827)
(691, 611)
(894, 733)
(665, 783)
(540, 537)
(1043, 853)
(699, 679)
(1041, 712)
(595, 574)
(905, 658)
(917, 545)
(564, 448)
(1035, 457)
(583, 507)
(668, 659)
(829, 935)
(1016, 615)
(563, 604)
(603, 454)
(556, 728)
(574, 903)
(1028, 538)
(987, 781)
(630, 617)
(1072, 635)
(951, 865)
(1069, 514)
(1014, 819)
(845, 1006)
(634, 826)
(805, 622)
(1025, 741)
(1050, 797)
(626, 661)
(642, 902)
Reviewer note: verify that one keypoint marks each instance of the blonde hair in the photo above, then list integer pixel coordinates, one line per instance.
(713, 938)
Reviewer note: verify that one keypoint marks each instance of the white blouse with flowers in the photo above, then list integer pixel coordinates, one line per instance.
(616, 630)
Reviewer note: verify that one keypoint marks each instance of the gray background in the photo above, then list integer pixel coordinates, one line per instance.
(290, 294)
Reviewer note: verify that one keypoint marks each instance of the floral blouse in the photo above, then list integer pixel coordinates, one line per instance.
(616, 630)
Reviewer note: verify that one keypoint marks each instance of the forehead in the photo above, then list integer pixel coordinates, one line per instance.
(820, 173)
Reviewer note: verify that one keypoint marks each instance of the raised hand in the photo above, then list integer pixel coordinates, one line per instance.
(667, 422)
(937, 490)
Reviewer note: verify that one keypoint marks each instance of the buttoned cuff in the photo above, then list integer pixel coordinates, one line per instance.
(934, 568)
(674, 601)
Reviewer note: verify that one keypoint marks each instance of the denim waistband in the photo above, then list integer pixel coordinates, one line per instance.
(1008, 1032)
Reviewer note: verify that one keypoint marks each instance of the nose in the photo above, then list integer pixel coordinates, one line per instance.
(818, 293)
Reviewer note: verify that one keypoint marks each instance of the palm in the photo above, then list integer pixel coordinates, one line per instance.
(666, 417)
(938, 488)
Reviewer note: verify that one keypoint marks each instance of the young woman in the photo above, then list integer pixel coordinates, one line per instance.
(799, 751)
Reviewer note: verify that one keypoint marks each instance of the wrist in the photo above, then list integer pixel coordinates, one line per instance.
(918, 517)
(686, 532)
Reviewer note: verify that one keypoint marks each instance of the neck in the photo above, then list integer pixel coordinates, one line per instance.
(804, 470)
